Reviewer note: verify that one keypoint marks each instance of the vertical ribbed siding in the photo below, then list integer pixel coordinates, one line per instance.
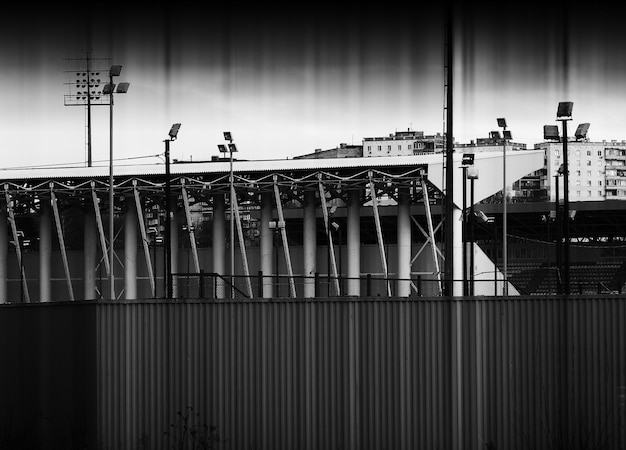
(366, 373)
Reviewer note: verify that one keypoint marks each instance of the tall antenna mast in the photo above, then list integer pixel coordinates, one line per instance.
(85, 85)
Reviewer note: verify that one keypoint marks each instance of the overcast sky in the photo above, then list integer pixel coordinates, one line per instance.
(288, 81)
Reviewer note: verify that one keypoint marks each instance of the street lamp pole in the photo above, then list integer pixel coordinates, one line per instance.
(506, 135)
(109, 88)
(231, 181)
(563, 114)
(167, 250)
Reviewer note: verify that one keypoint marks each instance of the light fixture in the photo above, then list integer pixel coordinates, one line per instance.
(551, 132)
(174, 131)
(564, 110)
(581, 131)
(468, 159)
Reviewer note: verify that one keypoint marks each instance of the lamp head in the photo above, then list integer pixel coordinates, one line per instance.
(174, 131)
(564, 110)
(228, 136)
(551, 132)
(581, 131)
(115, 71)
(502, 122)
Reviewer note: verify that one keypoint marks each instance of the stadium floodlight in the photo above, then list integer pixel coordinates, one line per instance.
(564, 111)
(551, 132)
(174, 131)
(501, 122)
(468, 159)
(581, 131)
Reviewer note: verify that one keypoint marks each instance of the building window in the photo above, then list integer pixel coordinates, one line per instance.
(588, 152)
(588, 163)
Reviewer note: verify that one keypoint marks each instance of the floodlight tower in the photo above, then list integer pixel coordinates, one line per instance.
(85, 89)
(551, 132)
(506, 135)
(167, 250)
(231, 148)
(109, 89)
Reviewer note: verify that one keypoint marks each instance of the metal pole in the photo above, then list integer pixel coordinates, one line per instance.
(505, 290)
(168, 231)
(111, 198)
(464, 231)
(471, 238)
(232, 227)
(558, 238)
(449, 177)
(565, 211)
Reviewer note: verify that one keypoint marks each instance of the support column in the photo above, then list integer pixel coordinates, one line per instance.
(130, 253)
(45, 252)
(403, 272)
(353, 245)
(219, 243)
(90, 245)
(309, 239)
(4, 252)
(266, 244)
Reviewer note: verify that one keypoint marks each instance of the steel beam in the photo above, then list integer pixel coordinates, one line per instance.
(103, 245)
(283, 234)
(379, 234)
(431, 234)
(192, 238)
(16, 241)
(144, 239)
(242, 245)
(329, 236)
(57, 220)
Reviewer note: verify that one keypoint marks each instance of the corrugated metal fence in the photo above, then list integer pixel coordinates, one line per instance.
(519, 373)
(516, 373)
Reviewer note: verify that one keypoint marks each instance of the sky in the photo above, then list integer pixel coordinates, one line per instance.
(286, 80)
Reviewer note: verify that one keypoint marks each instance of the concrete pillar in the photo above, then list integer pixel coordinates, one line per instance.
(353, 244)
(4, 252)
(130, 253)
(403, 271)
(219, 242)
(90, 256)
(309, 238)
(45, 252)
(267, 244)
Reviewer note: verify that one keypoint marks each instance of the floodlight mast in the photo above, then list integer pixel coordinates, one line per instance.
(506, 136)
(109, 89)
(564, 113)
(167, 250)
(231, 148)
